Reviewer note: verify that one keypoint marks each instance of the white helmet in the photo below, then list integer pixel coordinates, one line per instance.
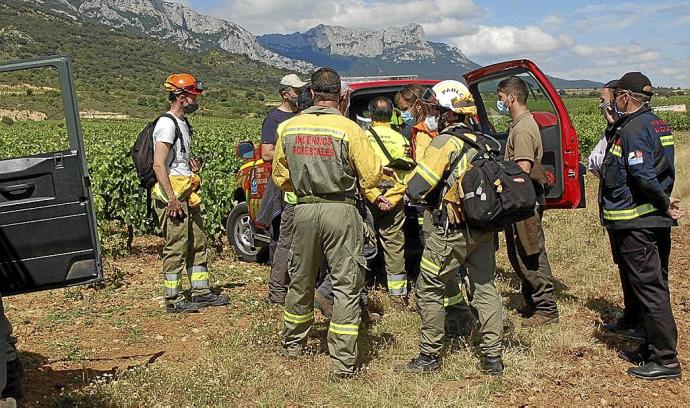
(455, 96)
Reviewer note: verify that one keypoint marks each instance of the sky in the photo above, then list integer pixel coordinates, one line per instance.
(568, 39)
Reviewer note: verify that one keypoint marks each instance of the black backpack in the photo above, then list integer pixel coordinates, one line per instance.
(497, 193)
(142, 151)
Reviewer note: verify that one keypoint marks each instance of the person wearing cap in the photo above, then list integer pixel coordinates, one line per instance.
(451, 245)
(525, 240)
(277, 210)
(596, 156)
(324, 157)
(389, 215)
(629, 324)
(176, 202)
(638, 173)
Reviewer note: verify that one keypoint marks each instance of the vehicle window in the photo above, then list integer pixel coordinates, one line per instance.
(31, 106)
(537, 101)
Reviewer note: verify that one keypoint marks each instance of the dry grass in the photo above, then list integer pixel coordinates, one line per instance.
(230, 357)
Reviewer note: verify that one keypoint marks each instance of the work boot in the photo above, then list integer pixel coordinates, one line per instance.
(211, 299)
(654, 371)
(491, 365)
(539, 319)
(323, 304)
(182, 307)
(632, 357)
(423, 363)
(292, 352)
(8, 403)
(624, 328)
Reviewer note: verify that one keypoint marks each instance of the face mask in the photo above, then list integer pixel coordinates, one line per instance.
(408, 118)
(502, 108)
(431, 123)
(614, 106)
(191, 108)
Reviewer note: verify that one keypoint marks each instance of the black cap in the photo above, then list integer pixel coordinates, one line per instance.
(611, 84)
(636, 82)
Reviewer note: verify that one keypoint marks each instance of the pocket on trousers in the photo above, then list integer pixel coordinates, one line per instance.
(644, 262)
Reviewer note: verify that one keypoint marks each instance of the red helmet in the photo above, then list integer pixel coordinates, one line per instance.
(179, 83)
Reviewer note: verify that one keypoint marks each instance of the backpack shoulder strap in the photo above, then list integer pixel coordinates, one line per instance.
(178, 132)
(380, 143)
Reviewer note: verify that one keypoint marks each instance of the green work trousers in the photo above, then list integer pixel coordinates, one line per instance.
(332, 232)
(443, 254)
(389, 231)
(184, 251)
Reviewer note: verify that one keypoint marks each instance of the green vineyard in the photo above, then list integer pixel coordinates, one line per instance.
(115, 185)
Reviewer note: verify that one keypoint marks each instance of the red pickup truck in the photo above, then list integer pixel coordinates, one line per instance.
(561, 152)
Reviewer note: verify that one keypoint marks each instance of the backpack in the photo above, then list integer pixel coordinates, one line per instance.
(497, 193)
(142, 151)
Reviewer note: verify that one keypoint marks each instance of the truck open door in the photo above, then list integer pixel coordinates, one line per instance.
(48, 234)
(561, 151)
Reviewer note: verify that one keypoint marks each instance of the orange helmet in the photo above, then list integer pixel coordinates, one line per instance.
(179, 83)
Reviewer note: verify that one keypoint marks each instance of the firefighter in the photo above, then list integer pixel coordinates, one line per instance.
(320, 156)
(389, 217)
(638, 173)
(449, 246)
(177, 204)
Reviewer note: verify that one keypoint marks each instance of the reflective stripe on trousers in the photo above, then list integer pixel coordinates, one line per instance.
(345, 329)
(397, 284)
(198, 276)
(173, 285)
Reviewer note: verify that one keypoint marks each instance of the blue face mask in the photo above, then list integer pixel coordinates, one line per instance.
(431, 123)
(502, 108)
(408, 118)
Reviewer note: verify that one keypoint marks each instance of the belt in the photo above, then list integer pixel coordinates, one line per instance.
(326, 199)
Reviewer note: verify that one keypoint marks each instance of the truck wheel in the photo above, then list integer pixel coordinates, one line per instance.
(240, 231)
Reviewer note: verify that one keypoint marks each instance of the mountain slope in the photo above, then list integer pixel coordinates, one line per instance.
(118, 71)
(176, 23)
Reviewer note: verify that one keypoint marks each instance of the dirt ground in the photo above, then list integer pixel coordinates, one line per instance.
(74, 341)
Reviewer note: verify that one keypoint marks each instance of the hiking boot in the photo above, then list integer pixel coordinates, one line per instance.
(491, 365)
(8, 403)
(292, 353)
(654, 371)
(182, 307)
(211, 299)
(539, 319)
(323, 304)
(624, 329)
(632, 357)
(423, 363)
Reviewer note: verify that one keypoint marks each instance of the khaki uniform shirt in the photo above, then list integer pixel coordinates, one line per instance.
(524, 143)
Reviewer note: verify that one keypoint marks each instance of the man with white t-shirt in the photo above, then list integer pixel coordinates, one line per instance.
(176, 202)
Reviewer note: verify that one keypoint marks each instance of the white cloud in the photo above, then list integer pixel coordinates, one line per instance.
(506, 40)
(439, 18)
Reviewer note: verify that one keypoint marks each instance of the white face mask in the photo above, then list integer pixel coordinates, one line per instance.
(431, 123)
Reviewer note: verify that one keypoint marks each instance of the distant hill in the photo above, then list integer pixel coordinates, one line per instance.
(392, 51)
(119, 71)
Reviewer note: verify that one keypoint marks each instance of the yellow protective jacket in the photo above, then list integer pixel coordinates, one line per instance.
(434, 168)
(184, 188)
(320, 154)
(393, 188)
